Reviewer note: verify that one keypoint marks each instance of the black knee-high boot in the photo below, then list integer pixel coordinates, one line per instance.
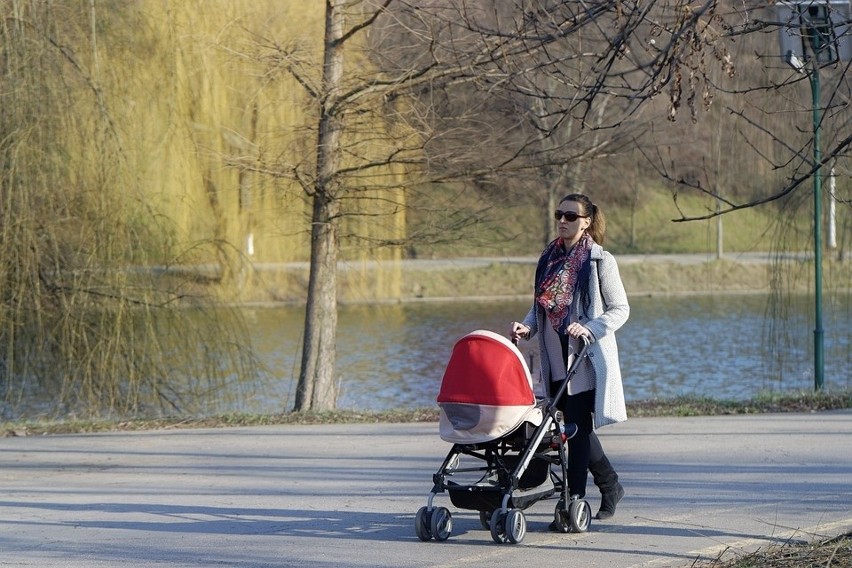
(606, 479)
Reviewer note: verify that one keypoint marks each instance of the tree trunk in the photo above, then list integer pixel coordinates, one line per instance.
(316, 388)
(316, 379)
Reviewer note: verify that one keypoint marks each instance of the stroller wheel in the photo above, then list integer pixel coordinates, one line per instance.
(561, 522)
(422, 524)
(516, 526)
(485, 519)
(498, 526)
(579, 515)
(441, 523)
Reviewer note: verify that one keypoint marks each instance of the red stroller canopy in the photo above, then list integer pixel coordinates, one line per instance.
(486, 368)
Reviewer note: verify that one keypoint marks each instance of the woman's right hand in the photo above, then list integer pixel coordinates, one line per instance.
(519, 331)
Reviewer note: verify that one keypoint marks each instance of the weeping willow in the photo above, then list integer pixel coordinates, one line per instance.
(791, 309)
(88, 324)
(134, 203)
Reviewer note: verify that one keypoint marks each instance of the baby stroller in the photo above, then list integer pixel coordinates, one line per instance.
(508, 447)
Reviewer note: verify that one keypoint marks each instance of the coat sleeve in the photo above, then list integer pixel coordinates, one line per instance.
(616, 310)
(531, 322)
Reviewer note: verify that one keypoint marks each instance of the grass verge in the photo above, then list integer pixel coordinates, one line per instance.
(680, 406)
(764, 403)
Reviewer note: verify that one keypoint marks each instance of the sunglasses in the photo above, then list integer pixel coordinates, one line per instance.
(570, 216)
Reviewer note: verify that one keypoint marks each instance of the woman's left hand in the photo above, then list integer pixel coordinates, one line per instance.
(576, 330)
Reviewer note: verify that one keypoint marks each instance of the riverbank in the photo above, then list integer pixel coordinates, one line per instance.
(642, 276)
(468, 279)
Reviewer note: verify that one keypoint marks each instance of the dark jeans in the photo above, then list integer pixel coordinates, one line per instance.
(584, 447)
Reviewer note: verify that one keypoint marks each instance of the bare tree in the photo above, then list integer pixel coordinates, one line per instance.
(351, 165)
(767, 112)
(504, 97)
(469, 92)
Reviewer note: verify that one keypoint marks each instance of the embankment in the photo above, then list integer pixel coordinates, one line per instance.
(488, 278)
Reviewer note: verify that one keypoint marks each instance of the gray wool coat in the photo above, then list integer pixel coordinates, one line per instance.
(608, 310)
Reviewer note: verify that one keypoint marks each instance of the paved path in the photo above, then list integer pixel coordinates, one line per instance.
(345, 495)
(475, 262)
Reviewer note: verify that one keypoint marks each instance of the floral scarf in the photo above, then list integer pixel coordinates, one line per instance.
(556, 278)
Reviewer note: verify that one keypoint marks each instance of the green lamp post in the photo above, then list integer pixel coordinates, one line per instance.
(809, 41)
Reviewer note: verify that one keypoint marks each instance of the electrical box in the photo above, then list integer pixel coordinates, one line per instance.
(820, 29)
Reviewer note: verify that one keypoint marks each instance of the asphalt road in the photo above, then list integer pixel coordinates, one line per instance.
(346, 495)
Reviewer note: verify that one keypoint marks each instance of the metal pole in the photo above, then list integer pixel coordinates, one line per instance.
(831, 243)
(819, 357)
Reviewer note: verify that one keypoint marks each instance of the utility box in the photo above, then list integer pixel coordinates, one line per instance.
(819, 28)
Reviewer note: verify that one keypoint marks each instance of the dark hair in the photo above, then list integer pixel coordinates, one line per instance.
(597, 228)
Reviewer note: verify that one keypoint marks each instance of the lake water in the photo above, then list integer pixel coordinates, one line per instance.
(393, 356)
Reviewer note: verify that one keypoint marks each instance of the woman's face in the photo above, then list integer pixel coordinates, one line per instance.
(571, 231)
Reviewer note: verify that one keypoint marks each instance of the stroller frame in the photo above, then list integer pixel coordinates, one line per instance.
(518, 470)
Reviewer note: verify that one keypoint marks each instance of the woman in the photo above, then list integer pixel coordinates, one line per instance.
(578, 292)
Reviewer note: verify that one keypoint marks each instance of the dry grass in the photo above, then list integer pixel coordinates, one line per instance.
(453, 278)
(835, 552)
(681, 406)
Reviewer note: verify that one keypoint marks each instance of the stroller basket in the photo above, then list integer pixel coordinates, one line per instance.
(535, 484)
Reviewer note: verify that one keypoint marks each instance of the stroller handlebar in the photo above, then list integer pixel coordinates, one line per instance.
(583, 338)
